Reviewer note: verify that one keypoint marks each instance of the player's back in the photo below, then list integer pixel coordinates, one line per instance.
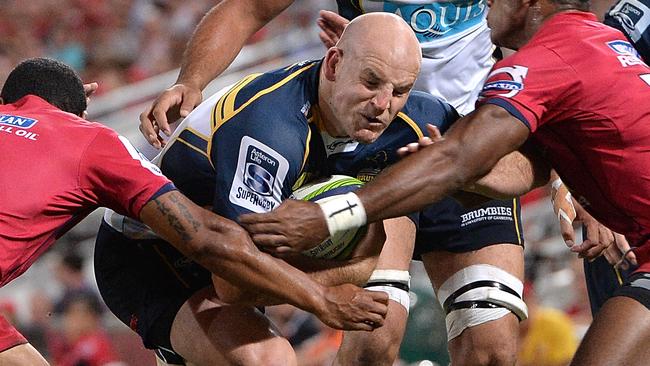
(57, 169)
(597, 133)
(41, 155)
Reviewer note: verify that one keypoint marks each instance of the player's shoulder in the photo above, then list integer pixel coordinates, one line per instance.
(274, 101)
(422, 108)
(275, 90)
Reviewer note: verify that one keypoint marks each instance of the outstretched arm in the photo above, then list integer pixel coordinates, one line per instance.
(224, 248)
(468, 152)
(218, 38)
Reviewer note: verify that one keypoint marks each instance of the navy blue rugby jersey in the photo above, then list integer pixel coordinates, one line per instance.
(247, 148)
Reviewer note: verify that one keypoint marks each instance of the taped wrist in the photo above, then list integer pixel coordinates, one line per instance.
(343, 212)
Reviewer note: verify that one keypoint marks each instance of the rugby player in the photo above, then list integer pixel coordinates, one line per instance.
(245, 150)
(484, 242)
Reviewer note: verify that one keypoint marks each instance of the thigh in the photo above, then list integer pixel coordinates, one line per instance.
(618, 335)
(208, 332)
(22, 355)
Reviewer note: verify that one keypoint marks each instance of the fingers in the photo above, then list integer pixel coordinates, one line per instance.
(568, 234)
(613, 256)
(623, 246)
(150, 131)
(334, 21)
(270, 242)
(434, 132)
(414, 146)
(327, 35)
(159, 112)
(90, 89)
(190, 99)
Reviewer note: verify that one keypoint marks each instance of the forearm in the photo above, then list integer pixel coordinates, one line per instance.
(470, 149)
(513, 175)
(224, 248)
(220, 36)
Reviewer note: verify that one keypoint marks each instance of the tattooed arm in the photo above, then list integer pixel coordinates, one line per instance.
(224, 248)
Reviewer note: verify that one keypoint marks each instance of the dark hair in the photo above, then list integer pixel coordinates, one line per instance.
(583, 5)
(49, 79)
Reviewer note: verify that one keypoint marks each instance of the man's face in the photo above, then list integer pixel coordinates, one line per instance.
(369, 91)
(507, 20)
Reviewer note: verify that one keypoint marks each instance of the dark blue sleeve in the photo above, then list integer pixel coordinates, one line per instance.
(257, 156)
(632, 17)
(425, 108)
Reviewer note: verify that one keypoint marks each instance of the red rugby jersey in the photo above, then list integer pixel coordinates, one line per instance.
(56, 169)
(585, 95)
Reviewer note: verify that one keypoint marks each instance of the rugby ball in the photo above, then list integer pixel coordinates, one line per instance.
(341, 245)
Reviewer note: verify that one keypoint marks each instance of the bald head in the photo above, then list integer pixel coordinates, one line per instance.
(366, 78)
(384, 34)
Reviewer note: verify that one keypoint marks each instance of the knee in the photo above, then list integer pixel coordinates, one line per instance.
(492, 352)
(363, 348)
(275, 353)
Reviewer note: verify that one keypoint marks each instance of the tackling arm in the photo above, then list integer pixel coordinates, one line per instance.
(223, 247)
(513, 175)
(470, 149)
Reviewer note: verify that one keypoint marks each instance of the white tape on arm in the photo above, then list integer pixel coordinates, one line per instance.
(561, 214)
(343, 212)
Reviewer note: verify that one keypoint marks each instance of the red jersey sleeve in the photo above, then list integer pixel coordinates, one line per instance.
(530, 83)
(118, 176)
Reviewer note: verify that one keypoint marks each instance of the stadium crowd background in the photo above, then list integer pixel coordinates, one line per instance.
(121, 42)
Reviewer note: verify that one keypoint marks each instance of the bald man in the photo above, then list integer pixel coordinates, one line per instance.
(278, 130)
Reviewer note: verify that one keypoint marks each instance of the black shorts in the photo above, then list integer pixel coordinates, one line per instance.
(449, 226)
(145, 282)
(602, 281)
(636, 287)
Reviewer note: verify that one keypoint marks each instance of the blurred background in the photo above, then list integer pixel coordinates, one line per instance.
(132, 48)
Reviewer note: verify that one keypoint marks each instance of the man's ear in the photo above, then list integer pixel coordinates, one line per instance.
(332, 60)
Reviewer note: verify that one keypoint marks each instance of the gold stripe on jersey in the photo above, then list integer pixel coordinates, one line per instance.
(229, 99)
(230, 112)
(514, 216)
(307, 141)
(218, 113)
(217, 110)
(198, 134)
(188, 144)
(411, 123)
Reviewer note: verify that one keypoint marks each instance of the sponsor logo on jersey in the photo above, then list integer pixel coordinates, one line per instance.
(257, 184)
(260, 171)
(627, 54)
(498, 213)
(17, 121)
(431, 20)
(505, 81)
(336, 145)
